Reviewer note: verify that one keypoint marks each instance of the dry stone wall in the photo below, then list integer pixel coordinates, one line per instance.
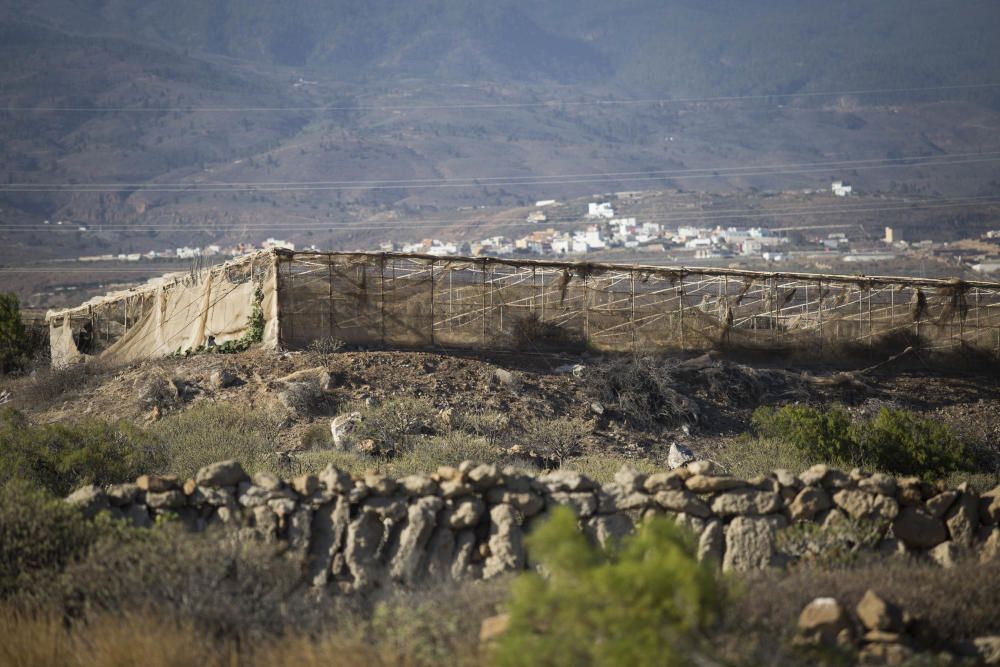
(470, 521)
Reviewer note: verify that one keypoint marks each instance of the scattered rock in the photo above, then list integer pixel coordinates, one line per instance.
(222, 378)
(939, 505)
(678, 455)
(823, 622)
(878, 614)
(708, 468)
(305, 485)
(945, 554)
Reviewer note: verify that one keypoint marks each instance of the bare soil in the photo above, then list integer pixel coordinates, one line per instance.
(725, 391)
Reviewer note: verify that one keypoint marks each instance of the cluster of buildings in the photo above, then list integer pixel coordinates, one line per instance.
(601, 230)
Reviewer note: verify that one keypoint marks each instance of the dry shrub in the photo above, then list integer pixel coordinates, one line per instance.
(490, 425)
(395, 424)
(327, 345)
(747, 456)
(156, 390)
(555, 439)
(642, 393)
(210, 432)
(46, 385)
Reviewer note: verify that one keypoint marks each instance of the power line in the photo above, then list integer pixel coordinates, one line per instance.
(681, 175)
(341, 226)
(476, 180)
(551, 103)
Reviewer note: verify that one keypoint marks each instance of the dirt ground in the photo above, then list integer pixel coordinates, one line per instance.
(539, 385)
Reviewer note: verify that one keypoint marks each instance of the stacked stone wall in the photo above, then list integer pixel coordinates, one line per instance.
(469, 522)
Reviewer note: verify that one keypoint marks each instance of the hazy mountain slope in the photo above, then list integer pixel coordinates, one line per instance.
(681, 46)
(381, 64)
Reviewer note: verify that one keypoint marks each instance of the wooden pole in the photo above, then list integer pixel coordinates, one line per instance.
(631, 304)
(432, 302)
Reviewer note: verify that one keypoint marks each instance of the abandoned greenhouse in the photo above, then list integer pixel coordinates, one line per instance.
(282, 299)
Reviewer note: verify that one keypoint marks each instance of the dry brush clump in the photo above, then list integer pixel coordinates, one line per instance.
(641, 391)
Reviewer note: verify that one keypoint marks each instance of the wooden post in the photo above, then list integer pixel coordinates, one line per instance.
(484, 303)
(432, 302)
(586, 310)
(329, 279)
(680, 311)
(381, 297)
(631, 303)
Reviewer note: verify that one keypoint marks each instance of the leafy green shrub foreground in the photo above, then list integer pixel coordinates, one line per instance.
(39, 534)
(645, 602)
(896, 441)
(15, 344)
(63, 457)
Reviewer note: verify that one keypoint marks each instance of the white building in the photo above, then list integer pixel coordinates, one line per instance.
(601, 210)
(841, 189)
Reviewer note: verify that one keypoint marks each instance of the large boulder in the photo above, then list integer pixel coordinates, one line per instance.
(863, 505)
(962, 519)
(682, 501)
(223, 473)
(505, 542)
(809, 502)
(875, 613)
(750, 542)
(823, 622)
(746, 502)
(918, 529)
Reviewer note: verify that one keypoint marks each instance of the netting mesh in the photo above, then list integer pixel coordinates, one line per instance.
(418, 301)
(180, 312)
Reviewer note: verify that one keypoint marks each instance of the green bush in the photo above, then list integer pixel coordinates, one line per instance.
(908, 444)
(646, 602)
(63, 457)
(14, 341)
(38, 534)
(821, 435)
(895, 441)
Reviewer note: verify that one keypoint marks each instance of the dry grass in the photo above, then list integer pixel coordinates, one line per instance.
(958, 603)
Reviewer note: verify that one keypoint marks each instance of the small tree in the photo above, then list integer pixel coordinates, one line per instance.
(14, 343)
(645, 602)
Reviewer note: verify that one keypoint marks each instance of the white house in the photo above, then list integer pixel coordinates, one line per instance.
(601, 210)
(841, 189)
